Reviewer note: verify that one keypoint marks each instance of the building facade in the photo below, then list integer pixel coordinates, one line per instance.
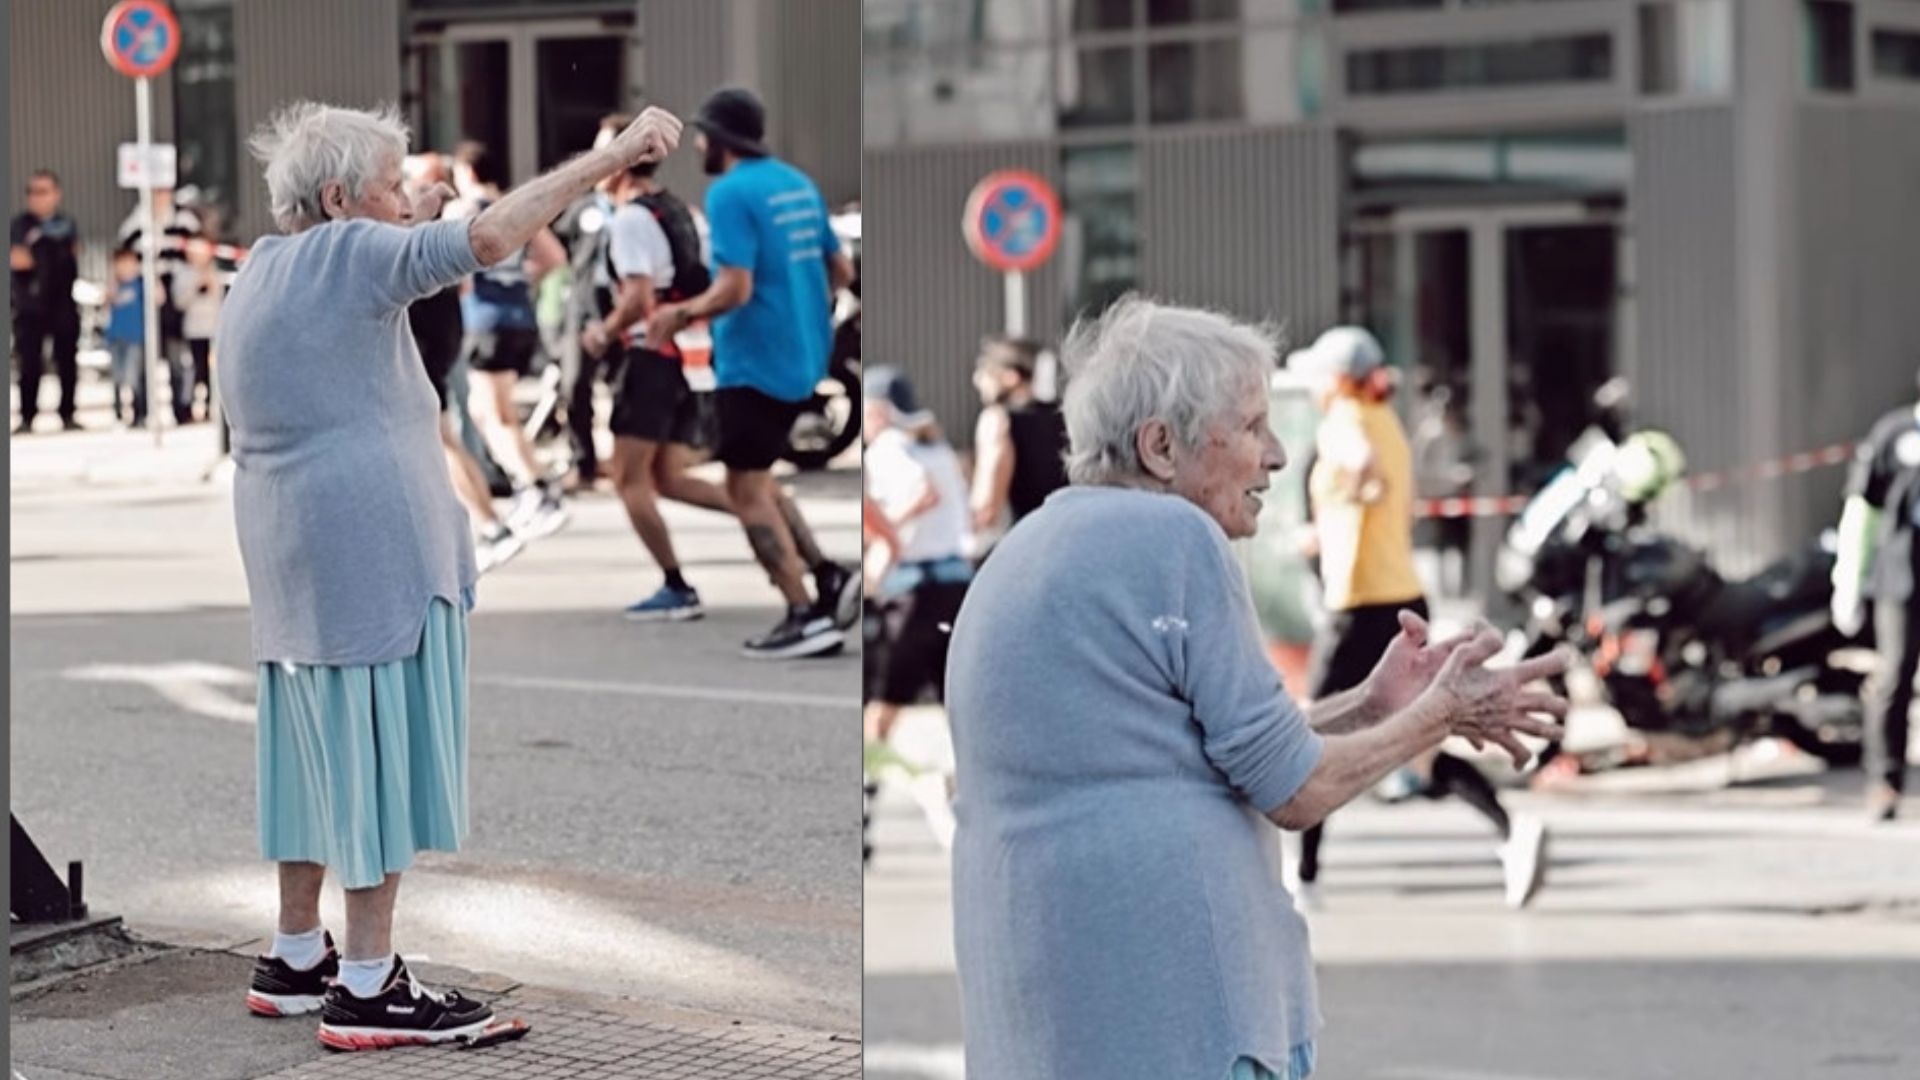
(530, 77)
(1522, 199)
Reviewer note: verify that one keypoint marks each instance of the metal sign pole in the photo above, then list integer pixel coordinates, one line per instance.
(143, 108)
(1016, 283)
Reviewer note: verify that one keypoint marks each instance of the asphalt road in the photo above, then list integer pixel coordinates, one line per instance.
(653, 816)
(1690, 929)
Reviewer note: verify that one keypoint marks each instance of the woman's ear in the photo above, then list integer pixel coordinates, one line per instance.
(333, 200)
(1156, 446)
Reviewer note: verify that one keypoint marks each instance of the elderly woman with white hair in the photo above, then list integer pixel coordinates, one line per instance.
(358, 558)
(1125, 748)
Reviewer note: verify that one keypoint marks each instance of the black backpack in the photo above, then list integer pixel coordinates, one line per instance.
(690, 275)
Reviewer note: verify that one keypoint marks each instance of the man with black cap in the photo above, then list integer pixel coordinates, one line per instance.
(1879, 561)
(777, 266)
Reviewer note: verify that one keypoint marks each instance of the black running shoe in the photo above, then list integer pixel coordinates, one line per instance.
(838, 588)
(404, 1013)
(807, 633)
(279, 989)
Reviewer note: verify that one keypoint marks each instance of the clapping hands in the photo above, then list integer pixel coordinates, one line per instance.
(1482, 705)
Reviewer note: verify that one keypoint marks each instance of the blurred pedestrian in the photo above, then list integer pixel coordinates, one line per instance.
(201, 291)
(657, 423)
(44, 254)
(438, 333)
(1125, 747)
(1877, 563)
(914, 480)
(778, 265)
(126, 339)
(1361, 494)
(502, 340)
(584, 231)
(1019, 442)
(359, 561)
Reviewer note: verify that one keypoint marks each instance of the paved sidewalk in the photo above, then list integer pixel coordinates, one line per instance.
(176, 1014)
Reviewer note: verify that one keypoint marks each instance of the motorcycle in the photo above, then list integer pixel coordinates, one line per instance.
(1676, 647)
(829, 421)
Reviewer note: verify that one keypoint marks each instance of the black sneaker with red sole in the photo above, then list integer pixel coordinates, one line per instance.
(404, 1013)
(278, 989)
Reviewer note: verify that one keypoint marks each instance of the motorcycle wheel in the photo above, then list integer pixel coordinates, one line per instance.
(830, 421)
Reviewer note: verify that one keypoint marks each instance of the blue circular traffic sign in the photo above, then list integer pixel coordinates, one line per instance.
(1012, 221)
(140, 38)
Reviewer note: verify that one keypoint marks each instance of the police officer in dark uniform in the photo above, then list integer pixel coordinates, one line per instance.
(1877, 562)
(44, 253)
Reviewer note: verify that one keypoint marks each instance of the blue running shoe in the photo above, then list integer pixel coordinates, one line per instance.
(667, 605)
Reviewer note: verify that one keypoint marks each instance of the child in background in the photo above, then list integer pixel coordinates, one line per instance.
(200, 292)
(126, 335)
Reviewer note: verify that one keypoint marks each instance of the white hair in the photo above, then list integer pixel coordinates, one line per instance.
(307, 145)
(1140, 361)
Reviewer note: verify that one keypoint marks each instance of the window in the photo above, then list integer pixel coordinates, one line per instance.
(1183, 12)
(1194, 80)
(1574, 161)
(1686, 47)
(581, 80)
(205, 123)
(1896, 54)
(1096, 87)
(1581, 58)
(1101, 234)
(1829, 46)
(984, 93)
(1080, 16)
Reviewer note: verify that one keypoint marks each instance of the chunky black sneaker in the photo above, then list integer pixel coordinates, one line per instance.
(839, 591)
(281, 990)
(805, 633)
(404, 1013)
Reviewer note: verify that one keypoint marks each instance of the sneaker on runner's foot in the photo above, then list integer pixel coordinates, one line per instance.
(537, 512)
(497, 547)
(280, 989)
(838, 588)
(802, 633)
(667, 604)
(404, 1013)
(1524, 858)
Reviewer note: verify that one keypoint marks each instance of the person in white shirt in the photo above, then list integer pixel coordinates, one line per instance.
(200, 292)
(657, 418)
(914, 479)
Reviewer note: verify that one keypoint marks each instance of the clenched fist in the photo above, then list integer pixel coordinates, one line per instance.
(651, 137)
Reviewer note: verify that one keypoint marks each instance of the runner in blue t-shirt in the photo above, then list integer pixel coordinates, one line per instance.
(777, 266)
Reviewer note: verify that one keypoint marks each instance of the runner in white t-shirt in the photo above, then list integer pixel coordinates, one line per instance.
(656, 420)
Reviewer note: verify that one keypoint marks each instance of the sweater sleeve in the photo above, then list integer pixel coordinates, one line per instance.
(408, 264)
(1251, 730)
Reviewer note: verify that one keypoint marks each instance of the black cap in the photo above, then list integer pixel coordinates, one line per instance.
(735, 119)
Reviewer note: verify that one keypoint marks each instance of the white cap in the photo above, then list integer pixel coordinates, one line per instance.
(1343, 350)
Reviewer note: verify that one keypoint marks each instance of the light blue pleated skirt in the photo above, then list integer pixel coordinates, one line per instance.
(362, 766)
(1299, 1066)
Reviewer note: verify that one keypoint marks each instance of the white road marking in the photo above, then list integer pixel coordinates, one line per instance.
(190, 684)
(661, 690)
(932, 1062)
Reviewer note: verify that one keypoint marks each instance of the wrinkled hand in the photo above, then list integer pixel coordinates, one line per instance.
(428, 204)
(653, 135)
(1411, 661)
(666, 321)
(595, 339)
(1494, 705)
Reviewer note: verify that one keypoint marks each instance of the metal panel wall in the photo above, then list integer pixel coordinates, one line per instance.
(1686, 370)
(928, 315)
(71, 111)
(1857, 345)
(1247, 222)
(684, 49)
(324, 50)
(812, 80)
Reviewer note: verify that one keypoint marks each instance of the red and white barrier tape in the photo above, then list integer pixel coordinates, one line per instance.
(1508, 505)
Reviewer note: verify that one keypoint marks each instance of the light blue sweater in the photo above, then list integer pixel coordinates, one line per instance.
(1120, 733)
(348, 524)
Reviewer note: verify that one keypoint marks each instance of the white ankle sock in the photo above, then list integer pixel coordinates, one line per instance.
(300, 951)
(364, 978)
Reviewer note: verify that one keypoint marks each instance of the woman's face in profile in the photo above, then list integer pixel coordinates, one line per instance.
(1231, 468)
(385, 197)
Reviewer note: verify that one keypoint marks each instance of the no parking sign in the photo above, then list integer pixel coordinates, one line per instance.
(140, 38)
(1012, 223)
